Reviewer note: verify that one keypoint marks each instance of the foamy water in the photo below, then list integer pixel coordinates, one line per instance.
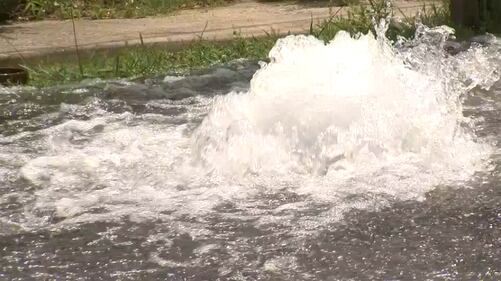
(354, 117)
(354, 124)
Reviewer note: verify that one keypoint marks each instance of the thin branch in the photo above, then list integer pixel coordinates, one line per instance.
(80, 66)
(201, 36)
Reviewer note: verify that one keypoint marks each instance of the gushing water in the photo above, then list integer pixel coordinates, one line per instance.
(352, 117)
(351, 106)
(357, 123)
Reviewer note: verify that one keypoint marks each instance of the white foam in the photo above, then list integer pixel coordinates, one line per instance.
(323, 121)
(351, 106)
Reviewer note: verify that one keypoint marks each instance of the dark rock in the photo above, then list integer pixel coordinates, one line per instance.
(453, 47)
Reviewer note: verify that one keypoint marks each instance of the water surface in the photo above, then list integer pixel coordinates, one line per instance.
(349, 161)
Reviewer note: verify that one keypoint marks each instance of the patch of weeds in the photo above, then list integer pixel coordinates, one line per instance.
(144, 61)
(361, 19)
(106, 9)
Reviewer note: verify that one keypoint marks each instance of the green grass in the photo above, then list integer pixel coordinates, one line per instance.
(360, 19)
(329, 2)
(104, 9)
(144, 61)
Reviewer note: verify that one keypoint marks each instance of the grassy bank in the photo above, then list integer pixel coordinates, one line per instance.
(107, 9)
(96, 9)
(144, 61)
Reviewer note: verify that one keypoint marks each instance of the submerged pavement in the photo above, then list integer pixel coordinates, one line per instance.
(247, 18)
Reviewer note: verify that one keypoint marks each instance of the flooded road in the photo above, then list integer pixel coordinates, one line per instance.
(354, 160)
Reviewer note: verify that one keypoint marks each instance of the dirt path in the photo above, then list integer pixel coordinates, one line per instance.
(36, 39)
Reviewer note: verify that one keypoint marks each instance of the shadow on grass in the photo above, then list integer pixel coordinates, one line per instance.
(309, 3)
